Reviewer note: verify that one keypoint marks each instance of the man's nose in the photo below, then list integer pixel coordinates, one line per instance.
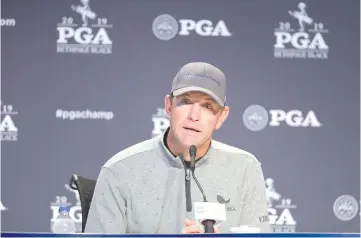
(195, 112)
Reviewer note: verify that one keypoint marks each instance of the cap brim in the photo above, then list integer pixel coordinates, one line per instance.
(181, 91)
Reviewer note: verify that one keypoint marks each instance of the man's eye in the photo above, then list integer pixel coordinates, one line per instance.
(208, 106)
(185, 101)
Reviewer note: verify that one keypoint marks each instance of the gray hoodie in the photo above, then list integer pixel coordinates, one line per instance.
(142, 189)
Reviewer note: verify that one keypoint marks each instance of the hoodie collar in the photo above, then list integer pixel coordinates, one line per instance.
(173, 160)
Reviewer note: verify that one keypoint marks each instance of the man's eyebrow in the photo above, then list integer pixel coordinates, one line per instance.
(207, 98)
(210, 99)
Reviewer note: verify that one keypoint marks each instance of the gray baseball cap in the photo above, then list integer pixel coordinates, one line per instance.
(201, 77)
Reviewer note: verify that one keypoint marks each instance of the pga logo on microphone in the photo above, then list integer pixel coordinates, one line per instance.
(257, 118)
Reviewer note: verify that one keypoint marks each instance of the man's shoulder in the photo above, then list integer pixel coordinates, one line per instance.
(133, 151)
(235, 151)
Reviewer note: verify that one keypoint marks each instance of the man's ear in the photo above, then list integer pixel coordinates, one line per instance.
(168, 104)
(223, 117)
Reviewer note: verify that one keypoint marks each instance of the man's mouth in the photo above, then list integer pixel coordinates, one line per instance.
(191, 129)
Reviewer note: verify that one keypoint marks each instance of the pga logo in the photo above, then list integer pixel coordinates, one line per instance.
(166, 27)
(83, 35)
(256, 118)
(7, 125)
(160, 122)
(88, 36)
(300, 40)
(305, 41)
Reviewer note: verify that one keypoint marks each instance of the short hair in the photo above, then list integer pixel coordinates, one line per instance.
(171, 96)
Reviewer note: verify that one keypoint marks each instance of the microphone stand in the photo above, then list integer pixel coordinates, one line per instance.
(209, 223)
(187, 172)
(188, 190)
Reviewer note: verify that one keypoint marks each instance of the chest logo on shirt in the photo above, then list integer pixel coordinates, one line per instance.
(222, 200)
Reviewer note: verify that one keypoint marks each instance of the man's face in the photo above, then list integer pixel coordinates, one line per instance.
(194, 117)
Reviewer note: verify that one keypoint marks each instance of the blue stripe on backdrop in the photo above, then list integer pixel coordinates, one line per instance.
(273, 235)
(67, 106)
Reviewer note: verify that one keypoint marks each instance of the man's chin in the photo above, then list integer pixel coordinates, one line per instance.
(190, 141)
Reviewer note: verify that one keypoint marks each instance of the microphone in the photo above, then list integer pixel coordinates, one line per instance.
(206, 213)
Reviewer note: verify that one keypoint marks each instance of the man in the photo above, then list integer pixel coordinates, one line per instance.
(142, 188)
